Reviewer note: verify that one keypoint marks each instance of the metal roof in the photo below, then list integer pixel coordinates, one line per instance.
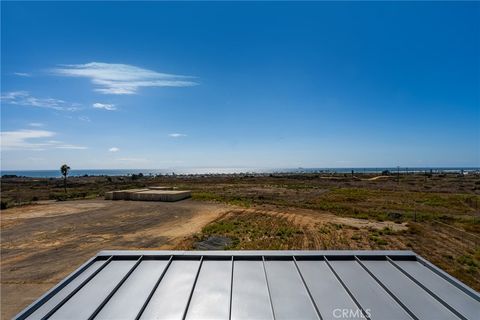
(383, 285)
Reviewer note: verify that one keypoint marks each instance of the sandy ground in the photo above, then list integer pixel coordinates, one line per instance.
(41, 244)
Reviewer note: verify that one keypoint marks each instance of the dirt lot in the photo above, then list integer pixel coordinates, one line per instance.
(41, 244)
(436, 216)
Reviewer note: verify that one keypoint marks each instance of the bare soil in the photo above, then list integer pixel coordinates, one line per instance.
(437, 216)
(41, 244)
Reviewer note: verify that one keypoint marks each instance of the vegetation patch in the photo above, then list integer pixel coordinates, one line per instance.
(253, 231)
(233, 200)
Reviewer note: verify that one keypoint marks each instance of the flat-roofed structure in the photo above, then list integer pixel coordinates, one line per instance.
(149, 194)
(384, 285)
(161, 188)
(122, 194)
(160, 195)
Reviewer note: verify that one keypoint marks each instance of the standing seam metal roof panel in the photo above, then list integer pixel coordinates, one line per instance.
(289, 298)
(250, 297)
(132, 294)
(328, 293)
(170, 298)
(408, 291)
(85, 301)
(368, 292)
(257, 285)
(211, 296)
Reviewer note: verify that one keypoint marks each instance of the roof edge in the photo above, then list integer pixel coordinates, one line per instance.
(258, 252)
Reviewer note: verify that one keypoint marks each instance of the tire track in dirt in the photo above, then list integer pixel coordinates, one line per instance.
(309, 218)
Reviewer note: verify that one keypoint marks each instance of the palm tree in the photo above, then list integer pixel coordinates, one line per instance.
(64, 170)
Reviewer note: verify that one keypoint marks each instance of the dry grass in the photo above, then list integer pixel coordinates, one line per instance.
(255, 229)
(304, 211)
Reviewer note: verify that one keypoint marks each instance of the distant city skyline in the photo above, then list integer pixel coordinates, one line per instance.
(263, 85)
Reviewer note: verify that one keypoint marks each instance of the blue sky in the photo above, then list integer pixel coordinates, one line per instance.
(165, 85)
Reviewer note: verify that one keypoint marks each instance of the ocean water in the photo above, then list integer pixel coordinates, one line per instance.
(203, 171)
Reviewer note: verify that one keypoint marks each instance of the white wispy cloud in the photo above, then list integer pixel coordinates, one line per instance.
(70, 146)
(84, 118)
(36, 124)
(177, 135)
(22, 139)
(115, 78)
(26, 139)
(114, 149)
(24, 98)
(105, 106)
(22, 74)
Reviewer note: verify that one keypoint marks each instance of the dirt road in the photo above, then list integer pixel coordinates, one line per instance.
(41, 244)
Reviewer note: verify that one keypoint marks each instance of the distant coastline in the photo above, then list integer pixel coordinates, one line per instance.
(219, 171)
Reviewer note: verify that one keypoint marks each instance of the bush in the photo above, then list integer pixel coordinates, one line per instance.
(137, 176)
(57, 196)
(3, 205)
(414, 228)
(378, 240)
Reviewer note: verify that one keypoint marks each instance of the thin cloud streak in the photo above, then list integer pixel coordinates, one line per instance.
(115, 78)
(24, 98)
(104, 106)
(114, 149)
(176, 135)
(70, 146)
(26, 139)
(22, 74)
